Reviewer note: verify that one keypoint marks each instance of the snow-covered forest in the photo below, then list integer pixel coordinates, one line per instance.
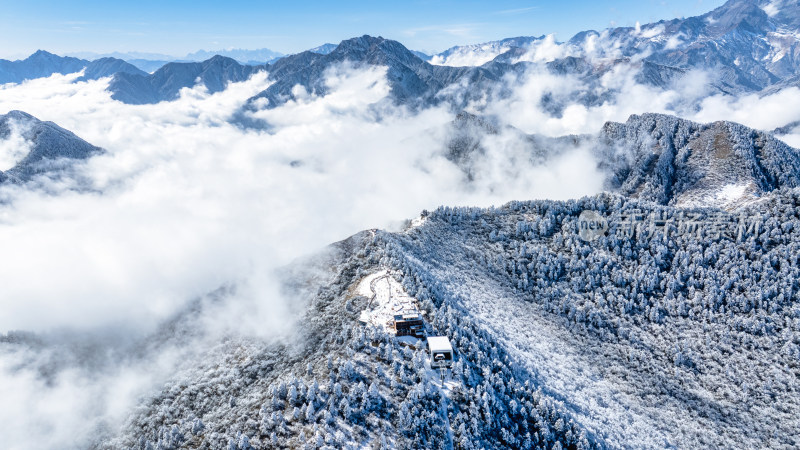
(665, 338)
(555, 242)
(687, 340)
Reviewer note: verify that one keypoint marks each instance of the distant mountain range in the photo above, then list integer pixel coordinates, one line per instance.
(150, 62)
(743, 46)
(127, 56)
(324, 49)
(43, 64)
(166, 82)
(749, 44)
(413, 81)
(477, 54)
(746, 45)
(249, 57)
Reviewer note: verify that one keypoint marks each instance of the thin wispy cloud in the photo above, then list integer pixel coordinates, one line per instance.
(515, 11)
(458, 30)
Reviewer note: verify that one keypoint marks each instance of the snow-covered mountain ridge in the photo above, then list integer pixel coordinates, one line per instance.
(629, 341)
(654, 335)
(656, 157)
(29, 147)
(43, 64)
(743, 46)
(655, 305)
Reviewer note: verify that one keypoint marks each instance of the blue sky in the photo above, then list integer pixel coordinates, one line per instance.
(179, 27)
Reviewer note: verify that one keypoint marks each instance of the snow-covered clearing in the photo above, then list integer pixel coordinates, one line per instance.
(387, 299)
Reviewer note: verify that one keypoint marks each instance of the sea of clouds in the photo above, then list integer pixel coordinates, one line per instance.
(185, 201)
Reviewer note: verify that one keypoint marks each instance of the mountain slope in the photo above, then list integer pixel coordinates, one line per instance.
(106, 67)
(335, 383)
(654, 157)
(243, 56)
(674, 161)
(323, 49)
(166, 83)
(413, 82)
(663, 338)
(742, 46)
(479, 54)
(39, 147)
(38, 65)
(747, 48)
(43, 64)
(657, 339)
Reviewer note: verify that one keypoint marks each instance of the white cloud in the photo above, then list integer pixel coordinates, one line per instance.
(14, 147)
(773, 8)
(792, 139)
(650, 32)
(190, 202)
(186, 202)
(543, 50)
(546, 50)
(69, 407)
(470, 55)
(763, 113)
(674, 41)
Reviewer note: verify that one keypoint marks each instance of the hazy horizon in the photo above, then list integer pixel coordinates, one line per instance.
(180, 28)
